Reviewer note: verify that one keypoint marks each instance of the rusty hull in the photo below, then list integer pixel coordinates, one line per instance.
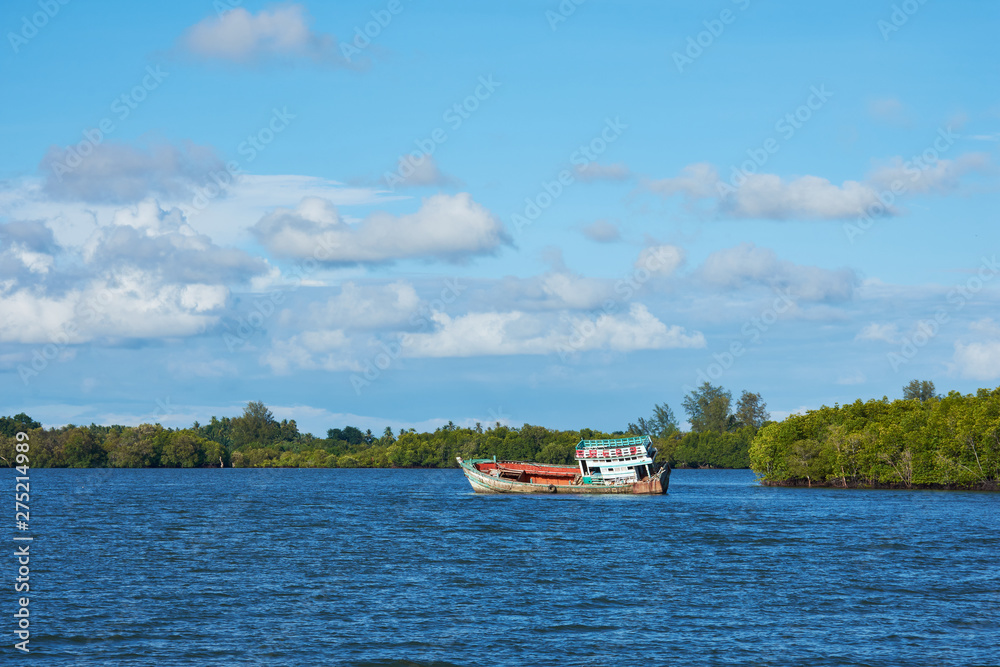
(550, 479)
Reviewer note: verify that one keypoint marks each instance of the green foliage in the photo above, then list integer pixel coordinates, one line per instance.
(82, 450)
(711, 449)
(137, 447)
(708, 407)
(257, 439)
(662, 424)
(919, 390)
(751, 410)
(350, 435)
(186, 449)
(951, 441)
(256, 427)
(10, 426)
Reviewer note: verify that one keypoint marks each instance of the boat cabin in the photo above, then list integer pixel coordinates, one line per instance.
(616, 460)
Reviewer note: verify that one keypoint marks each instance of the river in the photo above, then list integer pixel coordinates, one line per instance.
(408, 567)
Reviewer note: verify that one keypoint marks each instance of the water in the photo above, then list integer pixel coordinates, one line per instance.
(408, 567)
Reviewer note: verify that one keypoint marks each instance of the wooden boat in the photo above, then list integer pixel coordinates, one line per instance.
(619, 465)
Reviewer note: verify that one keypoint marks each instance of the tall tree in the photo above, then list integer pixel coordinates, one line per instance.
(751, 410)
(352, 435)
(256, 425)
(920, 390)
(708, 407)
(662, 424)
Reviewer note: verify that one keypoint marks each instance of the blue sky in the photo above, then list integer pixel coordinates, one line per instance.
(531, 212)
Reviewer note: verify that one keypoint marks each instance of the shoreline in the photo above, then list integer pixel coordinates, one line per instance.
(989, 486)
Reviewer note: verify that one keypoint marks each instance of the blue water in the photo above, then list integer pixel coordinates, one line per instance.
(408, 567)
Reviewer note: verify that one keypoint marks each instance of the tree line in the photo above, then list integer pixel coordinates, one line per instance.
(720, 437)
(256, 439)
(923, 440)
(720, 434)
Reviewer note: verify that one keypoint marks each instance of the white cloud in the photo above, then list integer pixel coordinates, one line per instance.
(410, 173)
(558, 289)
(311, 350)
(366, 307)
(857, 377)
(986, 327)
(661, 260)
(127, 304)
(593, 171)
(449, 227)
(282, 34)
(808, 197)
(149, 237)
(696, 181)
(562, 289)
(34, 262)
(202, 368)
(602, 231)
(224, 219)
(640, 330)
(517, 332)
(147, 274)
(980, 359)
(27, 252)
(746, 264)
(939, 177)
(118, 173)
(889, 110)
(768, 196)
(569, 290)
(887, 333)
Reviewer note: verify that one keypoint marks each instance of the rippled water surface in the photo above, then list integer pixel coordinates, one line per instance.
(408, 567)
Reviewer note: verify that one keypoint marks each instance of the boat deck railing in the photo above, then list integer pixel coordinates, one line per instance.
(613, 443)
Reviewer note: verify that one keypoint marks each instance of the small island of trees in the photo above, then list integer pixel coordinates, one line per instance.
(921, 441)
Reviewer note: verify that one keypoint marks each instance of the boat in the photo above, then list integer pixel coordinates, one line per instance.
(613, 465)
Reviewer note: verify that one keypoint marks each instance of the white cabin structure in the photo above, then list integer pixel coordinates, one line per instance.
(616, 460)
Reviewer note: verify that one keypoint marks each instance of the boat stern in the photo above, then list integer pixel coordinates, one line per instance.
(654, 484)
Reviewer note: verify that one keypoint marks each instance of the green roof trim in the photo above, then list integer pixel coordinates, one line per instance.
(615, 443)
